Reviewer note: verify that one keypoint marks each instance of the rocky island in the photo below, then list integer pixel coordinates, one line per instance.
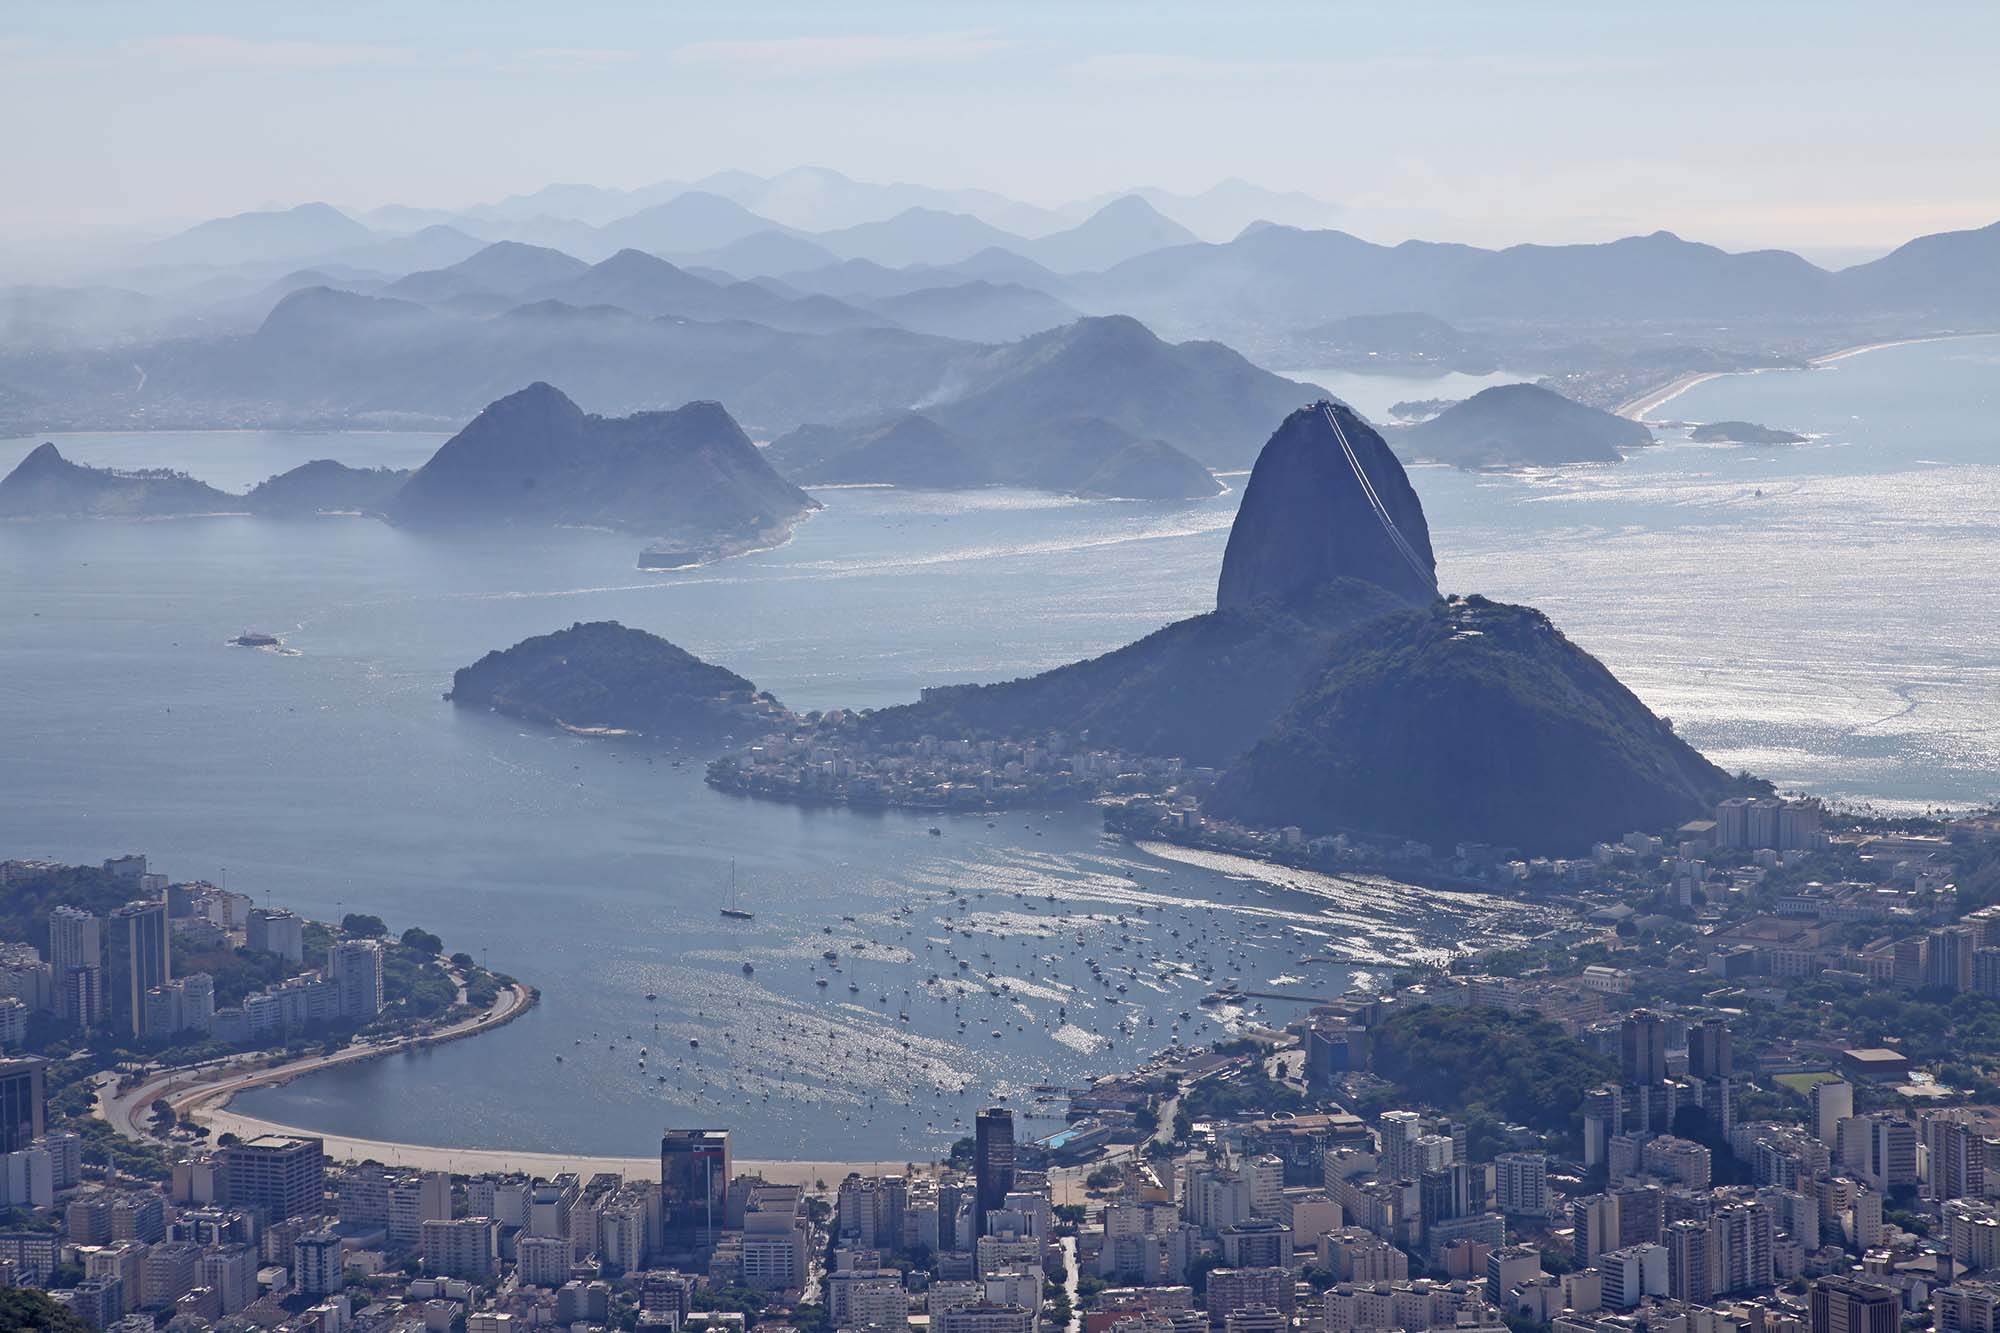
(1521, 425)
(1741, 432)
(536, 459)
(602, 678)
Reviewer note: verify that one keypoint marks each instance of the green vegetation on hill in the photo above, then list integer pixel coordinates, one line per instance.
(1741, 432)
(1203, 688)
(326, 486)
(1522, 425)
(47, 485)
(1487, 1063)
(25, 1310)
(24, 907)
(1469, 720)
(603, 675)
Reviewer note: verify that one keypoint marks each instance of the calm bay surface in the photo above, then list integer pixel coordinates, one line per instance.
(1818, 613)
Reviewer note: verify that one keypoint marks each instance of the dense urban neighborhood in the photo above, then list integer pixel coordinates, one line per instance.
(1747, 1079)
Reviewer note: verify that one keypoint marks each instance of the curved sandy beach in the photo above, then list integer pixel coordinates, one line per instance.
(202, 1096)
(1653, 400)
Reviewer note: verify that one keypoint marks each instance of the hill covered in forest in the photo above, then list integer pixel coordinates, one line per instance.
(603, 677)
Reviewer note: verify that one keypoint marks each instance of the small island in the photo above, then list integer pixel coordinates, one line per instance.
(1741, 432)
(1521, 425)
(603, 679)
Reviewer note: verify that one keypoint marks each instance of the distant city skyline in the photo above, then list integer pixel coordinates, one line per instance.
(1816, 129)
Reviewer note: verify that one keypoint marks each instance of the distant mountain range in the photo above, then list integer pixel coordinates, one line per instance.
(1288, 278)
(45, 485)
(689, 478)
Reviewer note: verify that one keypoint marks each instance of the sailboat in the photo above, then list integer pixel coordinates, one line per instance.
(732, 911)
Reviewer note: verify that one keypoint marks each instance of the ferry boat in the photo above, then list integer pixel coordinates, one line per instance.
(256, 638)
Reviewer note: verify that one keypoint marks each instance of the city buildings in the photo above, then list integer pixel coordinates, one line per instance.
(282, 1174)
(993, 1162)
(694, 1188)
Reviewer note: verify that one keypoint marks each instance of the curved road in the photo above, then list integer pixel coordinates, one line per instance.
(193, 1090)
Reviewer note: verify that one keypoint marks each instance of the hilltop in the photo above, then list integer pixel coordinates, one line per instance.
(1327, 500)
(534, 458)
(602, 676)
(1522, 425)
(47, 485)
(324, 486)
(1200, 397)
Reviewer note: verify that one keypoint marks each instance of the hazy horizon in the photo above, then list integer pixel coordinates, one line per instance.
(1546, 123)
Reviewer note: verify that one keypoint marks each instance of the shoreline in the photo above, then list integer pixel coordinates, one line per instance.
(202, 1096)
(1640, 407)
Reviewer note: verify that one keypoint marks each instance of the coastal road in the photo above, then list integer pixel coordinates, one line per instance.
(198, 1092)
(201, 1094)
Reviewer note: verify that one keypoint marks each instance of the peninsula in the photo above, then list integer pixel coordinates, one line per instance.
(1331, 690)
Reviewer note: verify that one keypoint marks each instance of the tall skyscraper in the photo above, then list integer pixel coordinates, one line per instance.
(1957, 1153)
(355, 969)
(135, 961)
(1843, 1305)
(1643, 1046)
(1709, 1051)
(24, 1102)
(76, 947)
(1832, 1102)
(694, 1188)
(992, 1162)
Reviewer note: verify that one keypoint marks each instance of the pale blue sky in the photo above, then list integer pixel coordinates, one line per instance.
(1807, 124)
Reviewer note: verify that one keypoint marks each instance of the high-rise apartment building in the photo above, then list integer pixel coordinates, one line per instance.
(993, 1163)
(355, 969)
(284, 1174)
(24, 1102)
(76, 965)
(694, 1189)
(1642, 1045)
(1844, 1305)
(136, 959)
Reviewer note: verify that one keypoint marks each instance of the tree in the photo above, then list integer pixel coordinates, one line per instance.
(24, 1310)
(462, 961)
(363, 925)
(416, 937)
